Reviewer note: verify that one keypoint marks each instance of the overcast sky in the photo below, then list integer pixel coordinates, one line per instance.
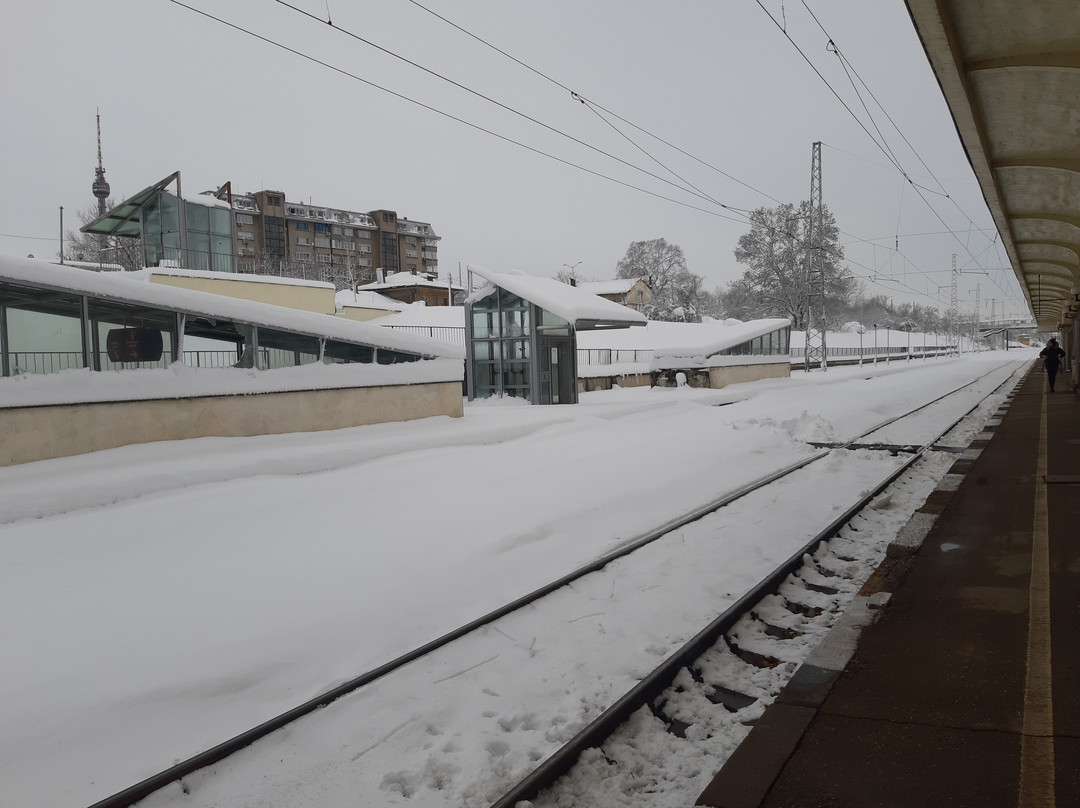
(718, 80)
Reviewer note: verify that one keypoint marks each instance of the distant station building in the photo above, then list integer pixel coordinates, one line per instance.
(521, 334)
(264, 233)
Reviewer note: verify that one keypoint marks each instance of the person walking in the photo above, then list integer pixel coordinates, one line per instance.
(1051, 356)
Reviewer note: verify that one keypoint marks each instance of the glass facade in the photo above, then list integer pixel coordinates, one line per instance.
(499, 351)
(775, 343)
(208, 234)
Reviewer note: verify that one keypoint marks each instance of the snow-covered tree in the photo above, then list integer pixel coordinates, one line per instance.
(677, 293)
(775, 253)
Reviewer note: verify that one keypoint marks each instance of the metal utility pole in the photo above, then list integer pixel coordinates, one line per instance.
(954, 307)
(975, 329)
(815, 270)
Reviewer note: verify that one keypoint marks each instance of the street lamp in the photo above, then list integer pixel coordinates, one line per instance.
(573, 277)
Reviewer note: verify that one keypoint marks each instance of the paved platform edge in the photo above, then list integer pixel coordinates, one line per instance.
(746, 776)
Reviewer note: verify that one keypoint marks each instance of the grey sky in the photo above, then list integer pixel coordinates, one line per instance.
(717, 79)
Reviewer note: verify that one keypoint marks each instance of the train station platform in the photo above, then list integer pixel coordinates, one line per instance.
(956, 679)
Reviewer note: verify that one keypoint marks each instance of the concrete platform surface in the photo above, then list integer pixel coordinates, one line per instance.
(966, 691)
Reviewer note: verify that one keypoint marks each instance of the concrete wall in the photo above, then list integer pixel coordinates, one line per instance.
(319, 299)
(735, 374)
(587, 384)
(37, 433)
(361, 314)
(717, 377)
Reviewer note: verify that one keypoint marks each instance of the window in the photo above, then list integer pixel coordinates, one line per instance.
(410, 239)
(243, 218)
(365, 248)
(273, 200)
(411, 267)
(322, 242)
(322, 258)
(301, 226)
(335, 230)
(410, 253)
(363, 234)
(280, 349)
(303, 241)
(303, 256)
(321, 227)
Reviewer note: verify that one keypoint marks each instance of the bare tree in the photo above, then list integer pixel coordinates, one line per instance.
(105, 251)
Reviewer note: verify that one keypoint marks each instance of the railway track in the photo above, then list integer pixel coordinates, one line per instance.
(720, 669)
(650, 687)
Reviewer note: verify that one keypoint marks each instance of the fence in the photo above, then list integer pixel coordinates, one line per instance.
(451, 334)
(56, 361)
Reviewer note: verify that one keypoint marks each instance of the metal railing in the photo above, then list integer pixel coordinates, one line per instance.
(613, 356)
(451, 334)
(174, 257)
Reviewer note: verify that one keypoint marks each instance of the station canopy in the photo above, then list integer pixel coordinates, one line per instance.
(1010, 73)
(584, 310)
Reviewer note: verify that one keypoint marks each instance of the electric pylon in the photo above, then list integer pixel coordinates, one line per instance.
(815, 270)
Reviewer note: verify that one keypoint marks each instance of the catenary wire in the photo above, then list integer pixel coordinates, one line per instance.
(591, 103)
(450, 116)
(691, 189)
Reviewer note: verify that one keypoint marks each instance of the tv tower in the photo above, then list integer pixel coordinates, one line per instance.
(101, 186)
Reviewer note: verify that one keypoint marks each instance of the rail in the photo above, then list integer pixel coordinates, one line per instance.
(141, 790)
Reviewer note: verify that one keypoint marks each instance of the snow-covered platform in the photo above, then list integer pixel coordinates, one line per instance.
(964, 691)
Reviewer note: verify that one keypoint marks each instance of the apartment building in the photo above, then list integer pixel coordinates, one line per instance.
(344, 243)
(264, 233)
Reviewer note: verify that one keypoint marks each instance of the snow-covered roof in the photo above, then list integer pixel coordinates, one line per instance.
(136, 288)
(367, 300)
(432, 316)
(682, 340)
(400, 279)
(583, 309)
(885, 336)
(230, 276)
(618, 286)
(207, 199)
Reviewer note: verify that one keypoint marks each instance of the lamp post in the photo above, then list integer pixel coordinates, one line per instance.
(572, 268)
(875, 343)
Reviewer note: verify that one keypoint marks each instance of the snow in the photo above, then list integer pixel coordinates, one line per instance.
(561, 299)
(367, 300)
(276, 280)
(181, 381)
(160, 598)
(406, 279)
(417, 314)
(618, 286)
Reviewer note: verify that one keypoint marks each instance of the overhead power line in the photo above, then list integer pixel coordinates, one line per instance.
(452, 117)
(594, 106)
(435, 74)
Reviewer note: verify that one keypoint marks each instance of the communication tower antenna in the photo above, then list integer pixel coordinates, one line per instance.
(815, 270)
(100, 187)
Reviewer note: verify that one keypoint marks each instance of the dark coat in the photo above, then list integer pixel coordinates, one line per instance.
(1052, 355)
